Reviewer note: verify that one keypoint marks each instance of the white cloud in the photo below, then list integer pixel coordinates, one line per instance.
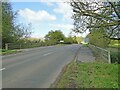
(36, 16)
(65, 9)
(62, 26)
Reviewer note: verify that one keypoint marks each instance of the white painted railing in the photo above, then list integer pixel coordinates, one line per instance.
(103, 53)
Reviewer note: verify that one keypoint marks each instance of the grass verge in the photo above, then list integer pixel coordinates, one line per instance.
(6, 52)
(89, 75)
(61, 44)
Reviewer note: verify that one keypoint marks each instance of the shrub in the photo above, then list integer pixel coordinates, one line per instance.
(115, 56)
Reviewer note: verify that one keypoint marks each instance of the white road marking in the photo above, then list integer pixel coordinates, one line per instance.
(2, 69)
(47, 53)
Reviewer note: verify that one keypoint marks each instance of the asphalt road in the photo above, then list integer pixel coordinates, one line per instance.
(36, 68)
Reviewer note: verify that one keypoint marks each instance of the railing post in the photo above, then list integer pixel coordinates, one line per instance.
(109, 58)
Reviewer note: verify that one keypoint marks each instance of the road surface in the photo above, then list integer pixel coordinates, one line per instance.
(36, 68)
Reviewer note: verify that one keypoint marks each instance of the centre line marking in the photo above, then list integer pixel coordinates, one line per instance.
(47, 54)
(2, 69)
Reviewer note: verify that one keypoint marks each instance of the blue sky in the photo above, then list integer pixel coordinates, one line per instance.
(45, 16)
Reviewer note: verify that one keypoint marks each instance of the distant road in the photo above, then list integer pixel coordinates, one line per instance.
(36, 68)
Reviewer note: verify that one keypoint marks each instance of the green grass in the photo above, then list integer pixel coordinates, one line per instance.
(115, 45)
(5, 52)
(61, 44)
(90, 75)
(85, 44)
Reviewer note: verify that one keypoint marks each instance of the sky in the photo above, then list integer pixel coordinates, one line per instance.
(45, 15)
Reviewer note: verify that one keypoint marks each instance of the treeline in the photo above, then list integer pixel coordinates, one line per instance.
(57, 37)
(52, 38)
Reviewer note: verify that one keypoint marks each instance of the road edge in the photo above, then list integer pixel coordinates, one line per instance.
(54, 84)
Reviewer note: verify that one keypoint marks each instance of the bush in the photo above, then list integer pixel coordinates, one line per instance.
(86, 44)
(96, 37)
(115, 56)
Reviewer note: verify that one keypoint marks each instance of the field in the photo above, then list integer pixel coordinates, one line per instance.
(114, 44)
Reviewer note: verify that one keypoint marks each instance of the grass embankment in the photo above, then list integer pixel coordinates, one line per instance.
(61, 44)
(6, 52)
(90, 75)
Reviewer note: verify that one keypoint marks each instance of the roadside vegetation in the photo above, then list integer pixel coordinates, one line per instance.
(5, 52)
(89, 75)
(99, 74)
(114, 48)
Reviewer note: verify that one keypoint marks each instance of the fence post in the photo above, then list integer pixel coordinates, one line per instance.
(109, 58)
(6, 46)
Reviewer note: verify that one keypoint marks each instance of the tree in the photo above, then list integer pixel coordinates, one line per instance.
(54, 37)
(103, 16)
(11, 31)
(79, 39)
(7, 23)
(96, 37)
(70, 40)
(21, 32)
